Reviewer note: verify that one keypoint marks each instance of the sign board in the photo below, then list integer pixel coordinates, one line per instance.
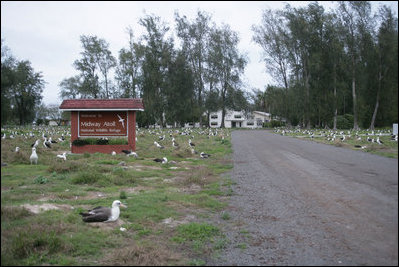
(395, 129)
(102, 123)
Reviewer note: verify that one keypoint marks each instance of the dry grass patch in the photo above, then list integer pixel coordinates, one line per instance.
(143, 255)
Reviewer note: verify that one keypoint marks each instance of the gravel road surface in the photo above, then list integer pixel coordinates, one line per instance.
(298, 202)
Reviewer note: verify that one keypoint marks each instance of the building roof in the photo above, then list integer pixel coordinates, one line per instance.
(103, 104)
(262, 113)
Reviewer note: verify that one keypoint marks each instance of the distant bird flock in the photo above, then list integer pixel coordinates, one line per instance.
(341, 136)
(46, 139)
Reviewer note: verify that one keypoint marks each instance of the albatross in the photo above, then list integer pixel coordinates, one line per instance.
(103, 214)
(33, 156)
(130, 153)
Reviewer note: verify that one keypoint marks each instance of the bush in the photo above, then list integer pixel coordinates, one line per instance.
(344, 121)
(80, 142)
(40, 180)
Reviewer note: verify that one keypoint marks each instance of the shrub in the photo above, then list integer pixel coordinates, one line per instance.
(40, 180)
(344, 121)
(80, 142)
(122, 195)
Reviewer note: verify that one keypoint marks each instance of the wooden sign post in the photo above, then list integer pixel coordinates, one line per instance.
(103, 118)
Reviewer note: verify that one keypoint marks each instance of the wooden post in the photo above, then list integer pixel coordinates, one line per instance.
(74, 127)
(132, 129)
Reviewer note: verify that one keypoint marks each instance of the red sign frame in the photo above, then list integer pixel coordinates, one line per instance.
(103, 123)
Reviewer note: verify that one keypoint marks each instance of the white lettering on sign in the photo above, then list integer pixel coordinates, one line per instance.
(103, 123)
(88, 115)
(109, 124)
(90, 124)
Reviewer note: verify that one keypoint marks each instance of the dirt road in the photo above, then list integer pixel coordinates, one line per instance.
(298, 202)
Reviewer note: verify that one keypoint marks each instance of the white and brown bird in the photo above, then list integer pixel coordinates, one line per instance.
(204, 155)
(191, 144)
(163, 160)
(158, 145)
(46, 143)
(130, 153)
(62, 156)
(33, 156)
(103, 214)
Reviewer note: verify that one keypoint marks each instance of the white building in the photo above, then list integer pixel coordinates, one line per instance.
(238, 119)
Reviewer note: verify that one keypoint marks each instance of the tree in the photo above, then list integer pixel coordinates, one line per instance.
(128, 72)
(26, 91)
(228, 62)
(354, 14)
(271, 36)
(96, 57)
(105, 62)
(70, 87)
(179, 91)
(157, 56)
(8, 63)
(194, 36)
(387, 48)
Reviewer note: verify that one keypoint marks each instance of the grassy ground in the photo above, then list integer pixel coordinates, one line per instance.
(167, 204)
(388, 148)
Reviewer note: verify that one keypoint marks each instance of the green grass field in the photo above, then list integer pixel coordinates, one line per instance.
(167, 204)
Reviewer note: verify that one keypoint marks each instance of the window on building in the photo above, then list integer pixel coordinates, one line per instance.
(214, 116)
(259, 122)
(250, 123)
(237, 116)
(214, 123)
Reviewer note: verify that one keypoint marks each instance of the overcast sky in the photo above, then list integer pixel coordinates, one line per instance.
(48, 33)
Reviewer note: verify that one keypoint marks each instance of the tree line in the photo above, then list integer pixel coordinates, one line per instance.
(177, 84)
(330, 67)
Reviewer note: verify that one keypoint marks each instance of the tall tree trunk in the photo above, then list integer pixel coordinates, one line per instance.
(355, 124)
(377, 103)
(335, 99)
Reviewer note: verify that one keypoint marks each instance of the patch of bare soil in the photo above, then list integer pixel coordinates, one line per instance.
(36, 209)
(144, 254)
(170, 222)
(135, 190)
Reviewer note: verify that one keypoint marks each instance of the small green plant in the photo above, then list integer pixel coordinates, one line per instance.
(87, 177)
(242, 246)
(197, 231)
(226, 216)
(41, 180)
(122, 195)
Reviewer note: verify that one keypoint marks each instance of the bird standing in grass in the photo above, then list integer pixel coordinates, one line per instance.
(33, 156)
(191, 144)
(46, 143)
(158, 145)
(35, 144)
(379, 141)
(174, 143)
